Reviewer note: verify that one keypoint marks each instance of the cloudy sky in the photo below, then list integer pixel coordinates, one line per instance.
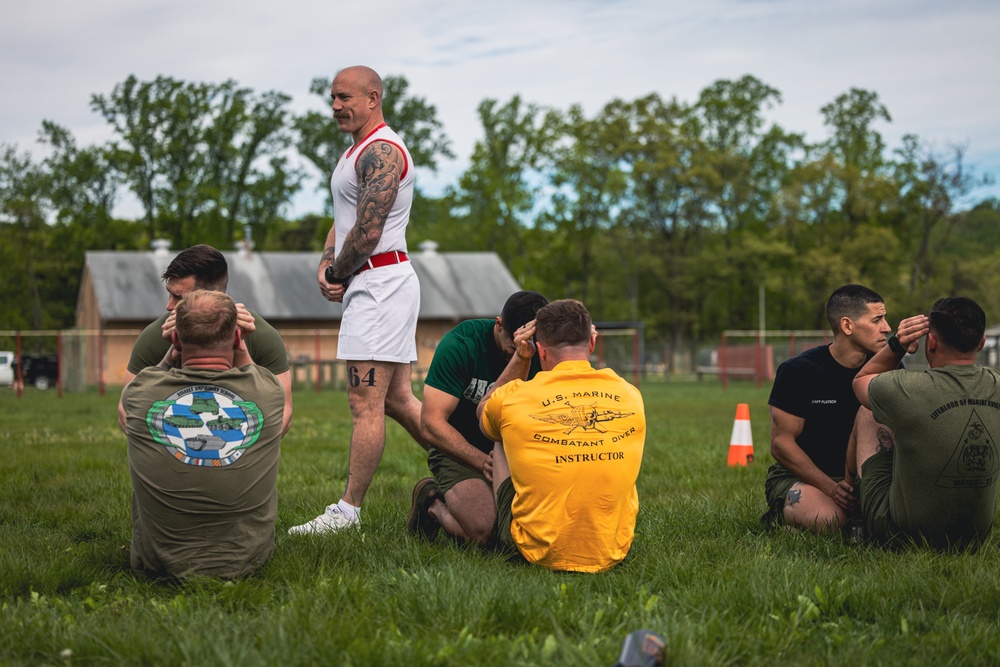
(935, 65)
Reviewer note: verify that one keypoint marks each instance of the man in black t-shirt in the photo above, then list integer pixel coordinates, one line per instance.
(813, 409)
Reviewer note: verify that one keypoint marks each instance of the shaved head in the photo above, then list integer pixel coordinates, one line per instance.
(365, 78)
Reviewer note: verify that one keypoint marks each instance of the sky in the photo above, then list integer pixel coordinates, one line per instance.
(934, 65)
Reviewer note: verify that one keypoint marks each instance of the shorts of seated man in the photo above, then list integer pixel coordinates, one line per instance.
(873, 492)
(448, 472)
(502, 540)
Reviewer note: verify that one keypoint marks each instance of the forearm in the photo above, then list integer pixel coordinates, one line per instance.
(792, 458)
(517, 369)
(356, 251)
(450, 441)
(885, 360)
(329, 249)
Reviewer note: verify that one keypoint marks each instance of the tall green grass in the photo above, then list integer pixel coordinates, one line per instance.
(702, 571)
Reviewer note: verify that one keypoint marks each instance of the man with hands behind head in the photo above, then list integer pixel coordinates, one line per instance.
(927, 452)
(202, 267)
(203, 449)
(569, 448)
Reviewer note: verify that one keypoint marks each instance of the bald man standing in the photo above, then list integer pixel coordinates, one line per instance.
(365, 266)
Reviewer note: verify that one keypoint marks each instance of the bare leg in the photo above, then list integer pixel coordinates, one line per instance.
(402, 405)
(871, 437)
(468, 512)
(368, 384)
(808, 507)
(501, 470)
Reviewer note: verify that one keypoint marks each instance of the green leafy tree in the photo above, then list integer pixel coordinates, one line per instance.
(747, 163)
(931, 187)
(587, 185)
(26, 260)
(662, 154)
(496, 197)
(859, 163)
(203, 159)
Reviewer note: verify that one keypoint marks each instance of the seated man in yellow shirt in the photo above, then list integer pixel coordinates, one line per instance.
(569, 447)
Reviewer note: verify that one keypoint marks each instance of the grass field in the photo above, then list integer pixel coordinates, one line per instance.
(702, 571)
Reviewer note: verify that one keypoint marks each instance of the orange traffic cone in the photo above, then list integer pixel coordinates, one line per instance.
(741, 442)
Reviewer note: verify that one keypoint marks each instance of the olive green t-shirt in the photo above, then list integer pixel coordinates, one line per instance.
(946, 464)
(203, 449)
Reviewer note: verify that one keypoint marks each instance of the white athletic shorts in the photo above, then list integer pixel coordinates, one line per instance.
(380, 316)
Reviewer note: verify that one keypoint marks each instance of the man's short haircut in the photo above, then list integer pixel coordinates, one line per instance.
(205, 263)
(849, 301)
(959, 323)
(206, 319)
(520, 309)
(563, 323)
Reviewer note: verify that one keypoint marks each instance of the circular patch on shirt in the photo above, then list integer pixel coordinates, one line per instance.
(205, 425)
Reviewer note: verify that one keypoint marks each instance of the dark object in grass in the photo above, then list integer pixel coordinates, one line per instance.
(643, 648)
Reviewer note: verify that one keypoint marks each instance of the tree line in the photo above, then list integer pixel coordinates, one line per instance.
(667, 211)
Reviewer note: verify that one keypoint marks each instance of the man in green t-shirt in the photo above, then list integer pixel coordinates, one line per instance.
(204, 267)
(203, 447)
(468, 360)
(927, 449)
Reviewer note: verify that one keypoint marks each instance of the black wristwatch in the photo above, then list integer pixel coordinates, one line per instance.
(334, 280)
(895, 345)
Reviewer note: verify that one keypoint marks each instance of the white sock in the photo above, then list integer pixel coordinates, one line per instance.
(349, 510)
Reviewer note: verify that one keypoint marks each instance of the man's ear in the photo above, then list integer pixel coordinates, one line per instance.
(846, 325)
(175, 339)
(931, 344)
(237, 337)
(982, 344)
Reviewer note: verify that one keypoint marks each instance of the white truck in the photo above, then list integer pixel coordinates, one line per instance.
(6, 368)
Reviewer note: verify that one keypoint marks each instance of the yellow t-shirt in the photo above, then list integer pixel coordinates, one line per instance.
(573, 437)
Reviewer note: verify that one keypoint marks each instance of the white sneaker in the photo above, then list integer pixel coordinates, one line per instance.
(331, 520)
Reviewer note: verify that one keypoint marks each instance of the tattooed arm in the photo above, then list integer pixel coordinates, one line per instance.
(331, 291)
(379, 168)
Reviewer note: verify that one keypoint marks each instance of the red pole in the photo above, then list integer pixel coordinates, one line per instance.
(722, 360)
(758, 360)
(319, 367)
(59, 364)
(100, 362)
(19, 376)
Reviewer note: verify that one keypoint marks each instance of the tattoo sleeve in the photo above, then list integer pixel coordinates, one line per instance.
(379, 169)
